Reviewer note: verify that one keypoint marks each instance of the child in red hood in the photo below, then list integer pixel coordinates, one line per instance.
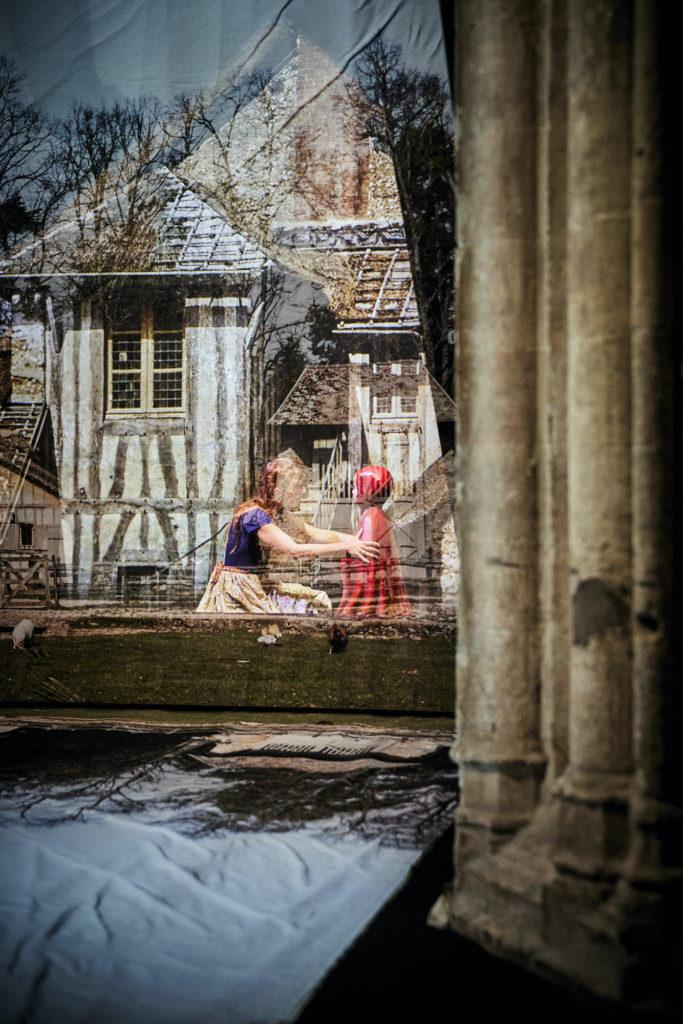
(375, 588)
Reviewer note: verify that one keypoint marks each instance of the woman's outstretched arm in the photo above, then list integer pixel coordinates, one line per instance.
(319, 536)
(271, 536)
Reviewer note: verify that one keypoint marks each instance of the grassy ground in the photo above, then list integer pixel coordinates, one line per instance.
(230, 669)
(210, 719)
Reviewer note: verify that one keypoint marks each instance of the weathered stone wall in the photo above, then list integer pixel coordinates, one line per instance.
(27, 367)
(336, 183)
(383, 198)
(569, 855)
(290, 154)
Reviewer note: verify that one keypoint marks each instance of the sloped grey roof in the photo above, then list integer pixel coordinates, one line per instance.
(383, 296)
(189, 237)
(321, 394)
(194, 237)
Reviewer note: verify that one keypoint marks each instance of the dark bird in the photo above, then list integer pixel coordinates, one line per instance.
(338, 638)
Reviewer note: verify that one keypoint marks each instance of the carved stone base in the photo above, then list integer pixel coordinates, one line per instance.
(597, 936)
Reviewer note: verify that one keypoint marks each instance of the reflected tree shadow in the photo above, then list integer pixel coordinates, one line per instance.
(52, 776)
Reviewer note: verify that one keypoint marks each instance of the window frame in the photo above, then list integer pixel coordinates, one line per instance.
(376, 412)
(26, 530)
(148, 336)
(407, 412)
(396, 411)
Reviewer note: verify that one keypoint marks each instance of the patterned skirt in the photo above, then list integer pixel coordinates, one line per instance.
(232, 591)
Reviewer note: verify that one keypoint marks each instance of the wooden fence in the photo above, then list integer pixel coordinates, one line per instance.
(28, 579)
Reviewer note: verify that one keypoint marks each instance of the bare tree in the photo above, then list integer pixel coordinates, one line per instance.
(406, 114)
(25, 158)
(185, 128)
(107, 157)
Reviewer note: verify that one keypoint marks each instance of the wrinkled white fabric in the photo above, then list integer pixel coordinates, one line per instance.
(113, 920)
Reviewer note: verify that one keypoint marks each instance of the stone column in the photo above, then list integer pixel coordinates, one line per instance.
(657, 513)
(587, 891)
(654, 872)
(552, 388)
(594, 788)
(498, 655)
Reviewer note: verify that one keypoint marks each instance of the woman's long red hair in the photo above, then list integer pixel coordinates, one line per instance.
(265, 494)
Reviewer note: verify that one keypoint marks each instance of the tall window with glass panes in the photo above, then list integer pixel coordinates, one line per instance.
(145, 358)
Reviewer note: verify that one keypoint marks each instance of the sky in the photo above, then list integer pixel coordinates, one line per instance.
(103, 50)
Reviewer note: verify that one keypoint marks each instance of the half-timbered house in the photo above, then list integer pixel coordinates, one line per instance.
(142, 379)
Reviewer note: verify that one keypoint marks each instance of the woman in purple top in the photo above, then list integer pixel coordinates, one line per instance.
(236, 582)
(243, 550)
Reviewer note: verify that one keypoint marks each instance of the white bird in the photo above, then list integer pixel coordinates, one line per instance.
(22, 634)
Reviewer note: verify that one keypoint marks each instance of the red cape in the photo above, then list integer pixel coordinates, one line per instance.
(375, 588)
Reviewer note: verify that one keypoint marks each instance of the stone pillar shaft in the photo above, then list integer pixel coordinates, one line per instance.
(657, 434)
(599, 386)
(654, 872)
(552, 388)
(588, 890)
(498, 647)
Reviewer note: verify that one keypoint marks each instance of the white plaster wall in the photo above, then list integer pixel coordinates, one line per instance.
(180, 462)
(215, 357)
(109, 443)
(431, 444)
(233, 341)
(203, 381)
(416, 462)
(88, 533)
(202, 564)
(131, 545)
(68, 538)
(65, 411)
(179, 522)
(108, 523)
(132, 477)
(88, 414)
(156, 542)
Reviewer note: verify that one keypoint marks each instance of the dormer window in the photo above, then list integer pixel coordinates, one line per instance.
(394, 406)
